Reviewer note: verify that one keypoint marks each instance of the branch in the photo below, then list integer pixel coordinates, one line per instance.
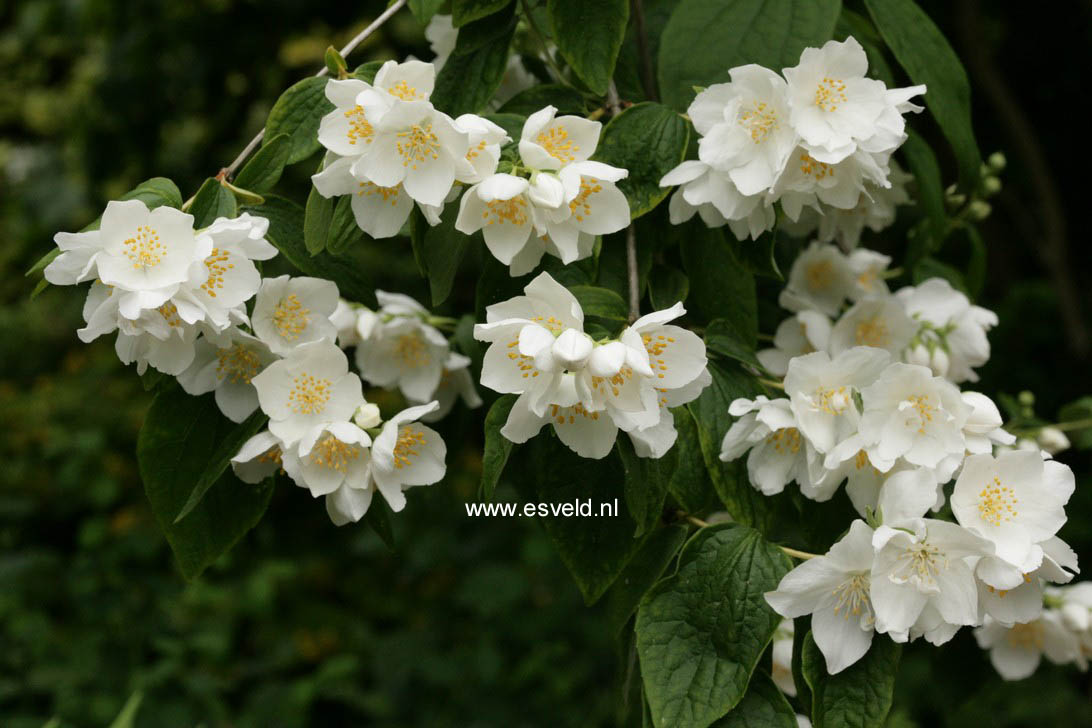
(634, 275)
(648, 80)
(227, 172)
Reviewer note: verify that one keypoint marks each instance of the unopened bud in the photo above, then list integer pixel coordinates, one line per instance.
(335, 64)
(1052, 440)
(1026, 398)
(939, 362)
(991, 185)
(367, 416)
(997, 161)
(918, 355)
(979, 210)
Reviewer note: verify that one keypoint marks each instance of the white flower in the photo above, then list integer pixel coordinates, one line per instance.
(778, 452)
(803, 333)
(837, 110)
(868, 268)
(258, 458)
(1021, 599)
(875, 210)
(484, 139)
(1053, 440)
(407, 454)
(332, 456)
(398, 349)
(877, 322)
(441, 35)
(821, 391)
(455, 383)
(346, 131)
(820, 279)
(549, 142)
(289, 312)
(592, 205)
(835, 589)
(805, 181)
(716, 199)
(960, 327)
(588, 434)
(653, 441)
(227, 367)
(781, 669)
(924, 568)
(751, 139)
(379, 211)
(159, 337)
(310, 387)
(499, 206)
(344, 319)
(1015, 651)
(1015, 500)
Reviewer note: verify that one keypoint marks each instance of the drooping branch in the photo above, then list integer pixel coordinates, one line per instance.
(227, 172)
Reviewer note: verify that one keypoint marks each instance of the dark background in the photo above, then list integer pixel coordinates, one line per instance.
(467, 623)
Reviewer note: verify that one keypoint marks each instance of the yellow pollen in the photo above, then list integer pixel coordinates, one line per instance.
(759, 120)
(831, 400)
(525, 364)
(580, 207)
(170, 313)
(923, 561)
(785, 441)
(405, 449)
(819, 275)
(476, 150)
(218, 264)
(814, 168)
(551, 324)
(404, 91)
(418, 145)
(290, 318)
(853, 597)
(144, 248)
(872, 332)
(829, 93)
(272, 455)
(309, 394)
(512, 212)
(410, 349)
(389, 194)
(924, 408)
(1028, 636)
(568, 415)
(330, 452)
(237, 364)
(997, 503)
(557, 144)
(359, 126)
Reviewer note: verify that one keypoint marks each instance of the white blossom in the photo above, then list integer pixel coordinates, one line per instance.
(716, 199)
(802, 333)
(879, 322)
(959, 326)
(550, 142)
(779, 454)
(227, 365)
(1015, 652)
(289, 312)
(399, 349)
(406, 454)
(820, 279)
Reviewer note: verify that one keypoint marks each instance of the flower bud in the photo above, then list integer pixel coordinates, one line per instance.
(980, 210)
(991, 185)
(1076, 617)
(572, 349)
(997, 161)
(917, 355)
(938, 362)
(1052, 440)
(367, 416)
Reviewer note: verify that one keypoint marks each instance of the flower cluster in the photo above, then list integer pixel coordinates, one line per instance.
(897, 433)
(930, 324)
(588, 389)
(818, 140)
(554, 200)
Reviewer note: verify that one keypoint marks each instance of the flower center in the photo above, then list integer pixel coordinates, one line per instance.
(272, 455)
(170, 314)
(872, 332)
(921, 404)
(513, 211)
(410, 350)
(218, 264)
(568, 415)
(418, 144)
(579, 207)
(525, 364)
(404, 91)
(557, 144)
(405, 449)
(309, 394)
(290, 317)
(1028, 636)
(237, 364)
(819, 275)
(549, 323)
(923, 561)
(829, 93)
(359, 126)
(475, 150)
(389, 194)
(997, 503)
(615, 382)
(759, 120)
(785, 441)
(832, 400)
(144, 248)
(655, 348)
(330, 452)
(814, 168)
(852, 597)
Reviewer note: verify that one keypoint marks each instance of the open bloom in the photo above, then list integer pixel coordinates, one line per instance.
(804, 333)
(455, 383)
(259, 458)
(713, 196)
(588, 434)
(310, 387)
(549, 142)
(330, 457)
(289, 312)
(820, 279)
(227, 366)
(406, 454)
(398, 349)
(835, 590)
(778, 452)
(959, 326)
(879, 322)
(1015, 651)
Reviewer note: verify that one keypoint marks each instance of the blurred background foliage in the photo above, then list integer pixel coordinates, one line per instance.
(467, 622)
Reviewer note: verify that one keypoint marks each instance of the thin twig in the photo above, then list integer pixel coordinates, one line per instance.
(227, 172)
(697, 522)
(798, 554)
(634, 275)
(647, 78)
(613, 101)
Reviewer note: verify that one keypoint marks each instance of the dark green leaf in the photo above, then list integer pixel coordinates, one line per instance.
(589, 36)
(366, 71)
(155, 192)
(379, 518)
(645, 484)
(297, 113)
(690, 484)
(667, 286)
(178, 434)
(720, 285)
(466, 11)
(649, 140)
(601, 302)
(628, 73)
(930, 195)
(344, 233)
(932, 268)
(771, 33)
(439, 251)
(701, 632)
(264, 169)
(217, 460)
(860, 695)
(1079, 411)
(497, 446)
(213, 200)
(473, 72)
(511, 123)
(721, 337)
(762, 707)
(567, 100)
(641, 573)
(316, 221)
(924, 52)
(286, 233)
(423, 10)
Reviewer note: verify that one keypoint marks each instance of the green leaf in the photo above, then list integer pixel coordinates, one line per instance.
(645, 484)
(264, 169)
(212, 200)
(172, 451)
(217, 460)
(763, 706)
(601, 302)
(930, 196)
(721, 286)
(366, 71)
(596, 549)
(154, 193)
(497, 446)
(567, 100)
(439, 250)
(667, 286)
(701, 632)
(860, 695)
(771, 33)
(379, 518)
(128, 712)
(344, 233)
(473, 72)
(1078, 411)
(649, 140)
(923, 51)
(423, 10)
(721, 337)
(511, 123)
(641, 573)
(286, 222)
(466, 11)
(629, 70)
(316, 221)
(690, 484)
(932, 268)
(589, 36)
(297, 113)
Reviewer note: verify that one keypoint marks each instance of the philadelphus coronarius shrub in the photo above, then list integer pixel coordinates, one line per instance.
(615, 339)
